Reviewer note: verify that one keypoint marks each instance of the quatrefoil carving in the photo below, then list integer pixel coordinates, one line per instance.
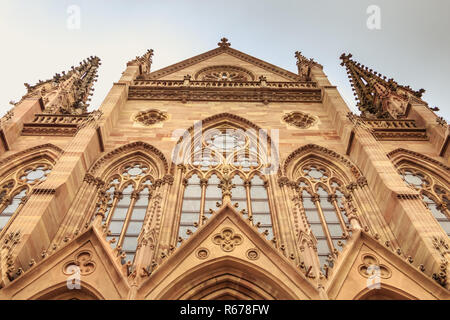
(84, 261)
(150, 117)
(299, 119)
(370, 265)
(227, 239)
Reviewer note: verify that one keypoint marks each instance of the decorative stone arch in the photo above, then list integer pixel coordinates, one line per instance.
(226, 118)
(45, 151)
(385, 292)
(61, 292)
(127, 152)
(400, 156)
(14, 183)
(432, 175)
(227, 278)
(192, 135)
(345, 168)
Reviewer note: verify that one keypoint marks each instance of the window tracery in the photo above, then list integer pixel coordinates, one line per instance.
(16, 186)
(127, 196)
(225, 161)
(435, 194)
(325, 206)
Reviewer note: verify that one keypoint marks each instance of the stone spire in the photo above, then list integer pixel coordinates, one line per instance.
(144, 62)
(304, 66)
(378, 97)
(67, 93)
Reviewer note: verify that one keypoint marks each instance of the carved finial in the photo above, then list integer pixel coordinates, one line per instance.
(224, 43)
(144, 62)
(305, 65)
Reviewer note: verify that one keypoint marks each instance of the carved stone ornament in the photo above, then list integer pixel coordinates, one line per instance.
(150, 117)
(252, 254)
(371, 267)
(202, 253)
(224, 73)
(299, 119)
(83, 260)
(227, 239)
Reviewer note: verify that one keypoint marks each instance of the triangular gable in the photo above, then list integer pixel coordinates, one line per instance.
(349, 278)
(221, 56)
(206, 257)
(101, 273)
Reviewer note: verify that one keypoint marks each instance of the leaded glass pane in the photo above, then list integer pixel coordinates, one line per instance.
(191, 206)
(260, 206)
(7, 213)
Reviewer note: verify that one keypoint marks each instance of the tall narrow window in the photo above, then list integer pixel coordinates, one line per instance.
(434, 195)
(213, 195)
(9, 210)
(260, 206)
(239, 194)
(317, 227)
(322, 199)
(128, 200)
(191, 207)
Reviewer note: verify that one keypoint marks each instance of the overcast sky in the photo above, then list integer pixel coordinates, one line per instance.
(413, 45)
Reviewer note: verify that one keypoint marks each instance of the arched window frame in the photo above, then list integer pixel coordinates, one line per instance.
(433, 190)
(225, 168)
(141, 185)
(108, 172)
(333, 196)
(17, 183)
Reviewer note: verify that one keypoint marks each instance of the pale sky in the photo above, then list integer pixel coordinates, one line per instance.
(412, 46)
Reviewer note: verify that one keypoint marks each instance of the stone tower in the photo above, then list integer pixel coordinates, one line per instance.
(223, 177)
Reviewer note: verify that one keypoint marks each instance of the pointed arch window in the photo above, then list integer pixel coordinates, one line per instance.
(435, 195)
(225, 158)
(324, 204)
(17, 185)
(127, 198)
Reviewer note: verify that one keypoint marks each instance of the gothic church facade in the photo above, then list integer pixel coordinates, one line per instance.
(224, 177)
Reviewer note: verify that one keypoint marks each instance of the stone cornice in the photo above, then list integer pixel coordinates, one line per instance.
(253, 91)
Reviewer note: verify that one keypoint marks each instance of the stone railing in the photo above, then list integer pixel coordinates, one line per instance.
(394, 129)
(53, 125)
(225, 84)
(390, 124)
(59, 118)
